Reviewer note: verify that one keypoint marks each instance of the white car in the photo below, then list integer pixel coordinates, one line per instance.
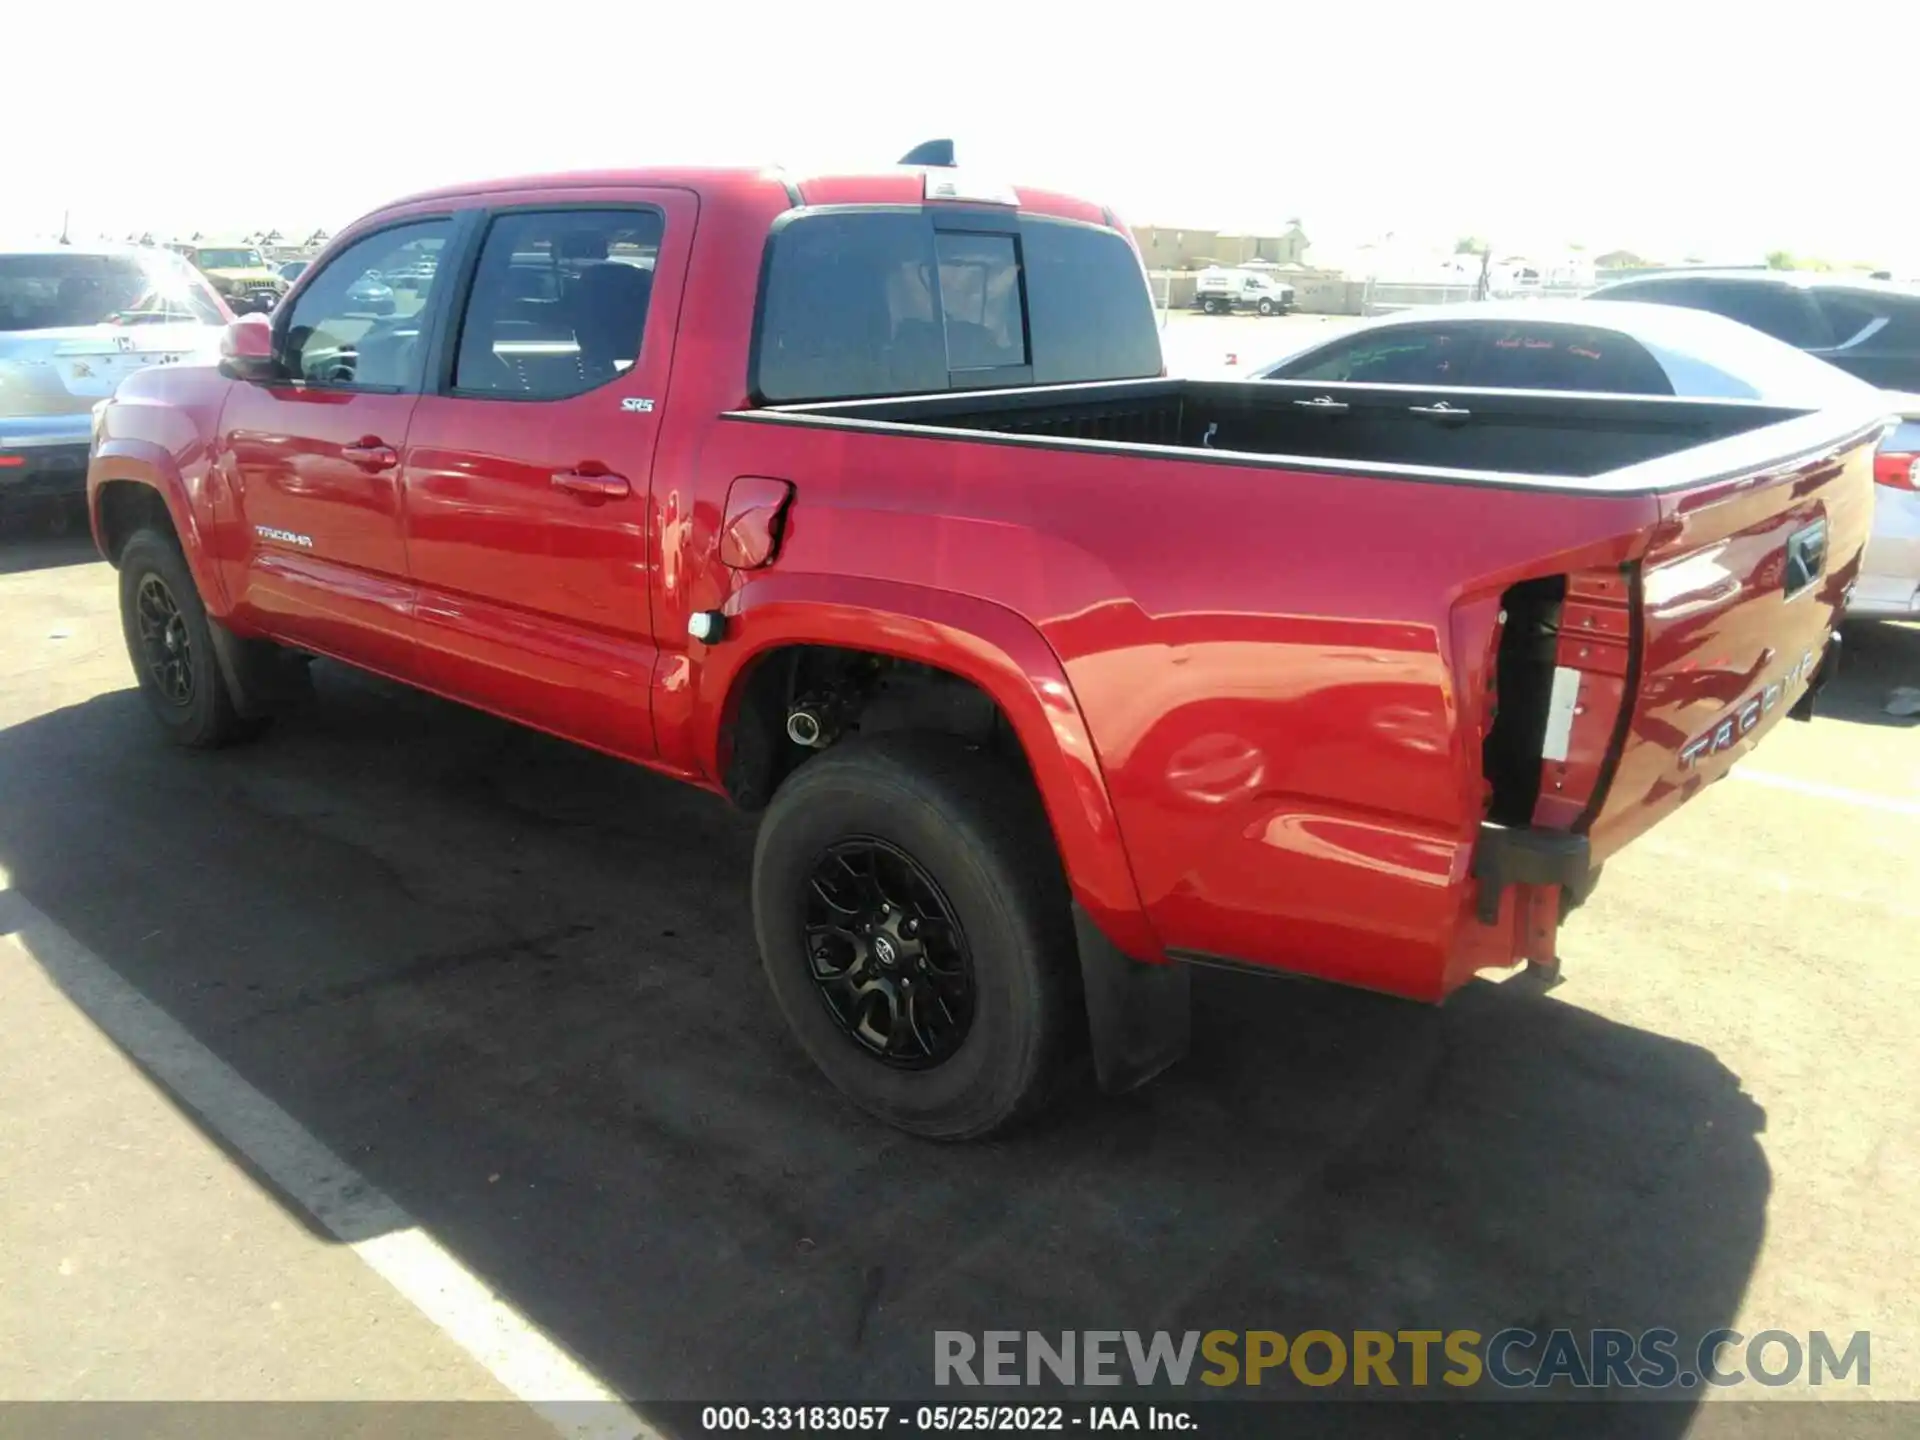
(1889, 587)
(75, 321)
(1638, 349)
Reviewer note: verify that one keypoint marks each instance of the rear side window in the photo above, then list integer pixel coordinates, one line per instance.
(1785, 312)
(867, 303)
(1687, 294)
(1849, 317)
(67, 288)
(1903, 318)
(1394, 355)
(559, 303)
(1520, 356)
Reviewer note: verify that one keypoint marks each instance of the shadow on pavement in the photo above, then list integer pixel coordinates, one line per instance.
(1877, 657)
(515, 984)
(25, 546)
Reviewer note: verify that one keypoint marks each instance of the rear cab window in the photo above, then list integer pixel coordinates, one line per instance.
(64, 289)
(1523, 356)
(861, 303)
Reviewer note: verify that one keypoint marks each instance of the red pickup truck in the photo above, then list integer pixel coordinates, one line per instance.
(865, 501)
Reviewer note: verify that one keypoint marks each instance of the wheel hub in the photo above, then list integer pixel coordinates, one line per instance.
(887, 954)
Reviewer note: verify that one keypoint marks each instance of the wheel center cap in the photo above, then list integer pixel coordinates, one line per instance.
(884, 951)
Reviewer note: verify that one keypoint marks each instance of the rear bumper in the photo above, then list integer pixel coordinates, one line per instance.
(1522, 855)
(44, 455)
(1889, 583)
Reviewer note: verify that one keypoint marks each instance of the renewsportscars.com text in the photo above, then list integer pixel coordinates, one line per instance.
(1510, 1359)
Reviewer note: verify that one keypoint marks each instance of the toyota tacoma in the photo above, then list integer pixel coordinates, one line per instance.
(865, 501)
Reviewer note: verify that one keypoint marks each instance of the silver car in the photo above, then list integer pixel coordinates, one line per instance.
(75, 320)
(1633, 348)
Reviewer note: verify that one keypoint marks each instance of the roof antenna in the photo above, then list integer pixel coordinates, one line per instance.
(66, 217)
(931, 152)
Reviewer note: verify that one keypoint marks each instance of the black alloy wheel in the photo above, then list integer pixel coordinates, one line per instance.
(887, 954)
(915, 925)
(170, 642)
(165, 643)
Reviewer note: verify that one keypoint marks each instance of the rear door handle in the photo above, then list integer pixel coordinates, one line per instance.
(371, 453)
(594, 484)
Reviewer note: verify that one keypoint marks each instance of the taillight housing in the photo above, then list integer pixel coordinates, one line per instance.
(1593, 664)
(1897, 470)
(1564, 670)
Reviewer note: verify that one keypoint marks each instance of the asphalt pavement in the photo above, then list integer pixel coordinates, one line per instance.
(511, 987)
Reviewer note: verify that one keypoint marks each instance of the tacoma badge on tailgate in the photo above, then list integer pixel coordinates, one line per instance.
(1723, 735)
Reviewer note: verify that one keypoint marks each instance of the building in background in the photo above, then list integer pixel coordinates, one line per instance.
(1164, 247)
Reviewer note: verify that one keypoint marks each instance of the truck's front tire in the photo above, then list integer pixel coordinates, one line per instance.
(171, 647)
(913, 921)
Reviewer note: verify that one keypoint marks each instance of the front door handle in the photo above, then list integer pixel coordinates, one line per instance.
(594, 484)
(371, 453)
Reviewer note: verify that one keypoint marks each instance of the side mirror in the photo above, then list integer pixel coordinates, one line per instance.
(246, 350)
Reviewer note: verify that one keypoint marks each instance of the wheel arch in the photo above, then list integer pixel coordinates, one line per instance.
(983, 645)
(132, 483)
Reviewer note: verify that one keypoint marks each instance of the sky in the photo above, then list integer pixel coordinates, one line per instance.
(1686, 127)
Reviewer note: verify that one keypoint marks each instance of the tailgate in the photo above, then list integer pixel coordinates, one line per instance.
(1735, 603)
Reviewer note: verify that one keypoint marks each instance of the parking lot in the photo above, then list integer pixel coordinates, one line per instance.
(1215, 346)
(513, 986)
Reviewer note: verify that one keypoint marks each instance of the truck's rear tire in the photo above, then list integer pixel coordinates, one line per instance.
(171, 647)
(914, 923)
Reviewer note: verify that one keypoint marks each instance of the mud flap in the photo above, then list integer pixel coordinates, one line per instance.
(256, 671)
(1140, 1017)
(1823, 673)
(1514, 855)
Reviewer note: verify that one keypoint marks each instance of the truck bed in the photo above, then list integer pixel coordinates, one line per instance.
(1321, 649)
(1486, 436)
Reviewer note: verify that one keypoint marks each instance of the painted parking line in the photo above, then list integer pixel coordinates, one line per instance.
(1866, 800)
(370, 1223)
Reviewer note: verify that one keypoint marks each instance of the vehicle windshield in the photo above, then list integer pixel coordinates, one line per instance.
(231, 260)
(45, 292)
